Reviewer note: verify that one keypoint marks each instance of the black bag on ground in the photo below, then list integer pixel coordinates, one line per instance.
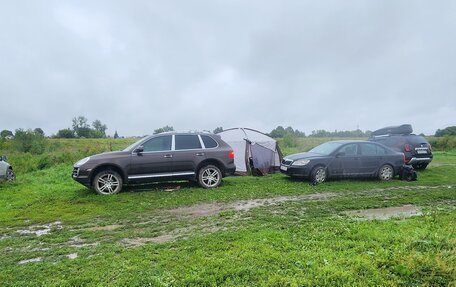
(407, 173)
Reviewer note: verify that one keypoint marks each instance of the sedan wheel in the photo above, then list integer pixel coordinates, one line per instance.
(10, 176)
(210, 176)
(107, 182)
(386, 172)
(319, 174)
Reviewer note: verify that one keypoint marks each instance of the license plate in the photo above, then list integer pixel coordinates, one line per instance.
(421, 151)
(284, 168)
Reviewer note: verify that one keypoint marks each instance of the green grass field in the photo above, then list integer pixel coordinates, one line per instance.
(251, 231)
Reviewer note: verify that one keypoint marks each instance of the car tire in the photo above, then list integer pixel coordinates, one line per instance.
(420, 166)
(10, 175)
(209, 176)
(385, 172)
(107, 182)
(319, 174)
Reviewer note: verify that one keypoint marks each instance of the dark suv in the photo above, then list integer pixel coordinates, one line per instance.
(417, 150)
(169, 156)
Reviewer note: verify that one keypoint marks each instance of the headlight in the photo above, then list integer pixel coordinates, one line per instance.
(82, 161)
(301, 162)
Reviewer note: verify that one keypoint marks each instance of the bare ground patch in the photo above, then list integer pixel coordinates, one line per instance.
(207, 209)
(104, 228)
(386, 213)
(135, 242)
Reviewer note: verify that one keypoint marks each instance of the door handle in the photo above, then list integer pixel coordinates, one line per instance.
(168, 156)
(200, 153)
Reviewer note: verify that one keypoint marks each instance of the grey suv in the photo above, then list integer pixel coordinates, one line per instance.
(417, 150)
(168, 156)
(6, 170)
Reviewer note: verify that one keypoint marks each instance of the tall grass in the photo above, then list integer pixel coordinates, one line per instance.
(58, 151)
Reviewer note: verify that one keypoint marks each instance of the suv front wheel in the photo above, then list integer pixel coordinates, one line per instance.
(209, 176)
(107, 182)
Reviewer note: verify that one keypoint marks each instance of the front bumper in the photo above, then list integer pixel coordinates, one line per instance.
(81, 176)
(302, 171)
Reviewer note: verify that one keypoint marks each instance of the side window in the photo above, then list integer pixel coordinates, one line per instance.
(368, 149)
(350, 149)
(162, 143)
(187, 142)
(381, 151)
(209, 142)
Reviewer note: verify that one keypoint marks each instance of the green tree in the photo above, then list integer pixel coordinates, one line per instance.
(163, 129)
(116, 135)
(5, 133)
(448, 131)
(218, 130)
(39, 131)
(278, 132)
(99, 129)
(65, 133)
(80, 127)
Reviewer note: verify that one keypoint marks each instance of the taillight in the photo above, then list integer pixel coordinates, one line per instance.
(407, 148)
(231, 154)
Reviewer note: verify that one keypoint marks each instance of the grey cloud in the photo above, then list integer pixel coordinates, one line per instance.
(313, 65)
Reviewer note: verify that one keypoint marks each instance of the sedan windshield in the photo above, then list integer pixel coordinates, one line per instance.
(326, 148)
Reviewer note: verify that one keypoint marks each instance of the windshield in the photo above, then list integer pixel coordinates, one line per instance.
(133, 145)
(326, 148)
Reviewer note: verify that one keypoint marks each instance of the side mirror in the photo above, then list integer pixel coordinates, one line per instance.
(339, 154)
(3, 158)
(139, 149)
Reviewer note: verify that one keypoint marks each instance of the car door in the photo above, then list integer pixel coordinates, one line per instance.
(371, 158)
(346, 161)
(156, 158)
(188, 153)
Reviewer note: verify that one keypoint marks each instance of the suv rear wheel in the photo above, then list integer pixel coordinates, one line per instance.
(209, 176)
(107, 182)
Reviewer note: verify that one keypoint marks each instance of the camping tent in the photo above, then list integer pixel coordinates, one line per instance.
(252, 149)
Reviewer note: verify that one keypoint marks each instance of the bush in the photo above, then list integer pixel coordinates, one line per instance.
(29, 141)
(443, 143)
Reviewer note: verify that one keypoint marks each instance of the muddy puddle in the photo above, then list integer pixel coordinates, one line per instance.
(40, 230)
(134, 242)
(207, 209)
(404, 211)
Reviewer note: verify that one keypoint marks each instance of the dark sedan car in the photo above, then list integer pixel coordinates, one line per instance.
(347, 158)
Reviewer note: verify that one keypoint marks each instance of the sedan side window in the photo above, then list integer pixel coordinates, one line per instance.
(162, 143)
(368, 149)
(187, 142)
(350, 149)
(372, 149)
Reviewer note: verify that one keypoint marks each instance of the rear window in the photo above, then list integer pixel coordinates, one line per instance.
(187, 142)
(209, 142)
(416, 140)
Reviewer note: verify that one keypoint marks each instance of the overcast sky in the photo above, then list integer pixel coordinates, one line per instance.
(197, 65)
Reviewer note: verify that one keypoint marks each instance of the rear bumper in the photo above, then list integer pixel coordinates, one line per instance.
(415, 160)
(230, 169)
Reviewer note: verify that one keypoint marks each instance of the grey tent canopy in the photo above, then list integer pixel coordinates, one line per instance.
(252, 149)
